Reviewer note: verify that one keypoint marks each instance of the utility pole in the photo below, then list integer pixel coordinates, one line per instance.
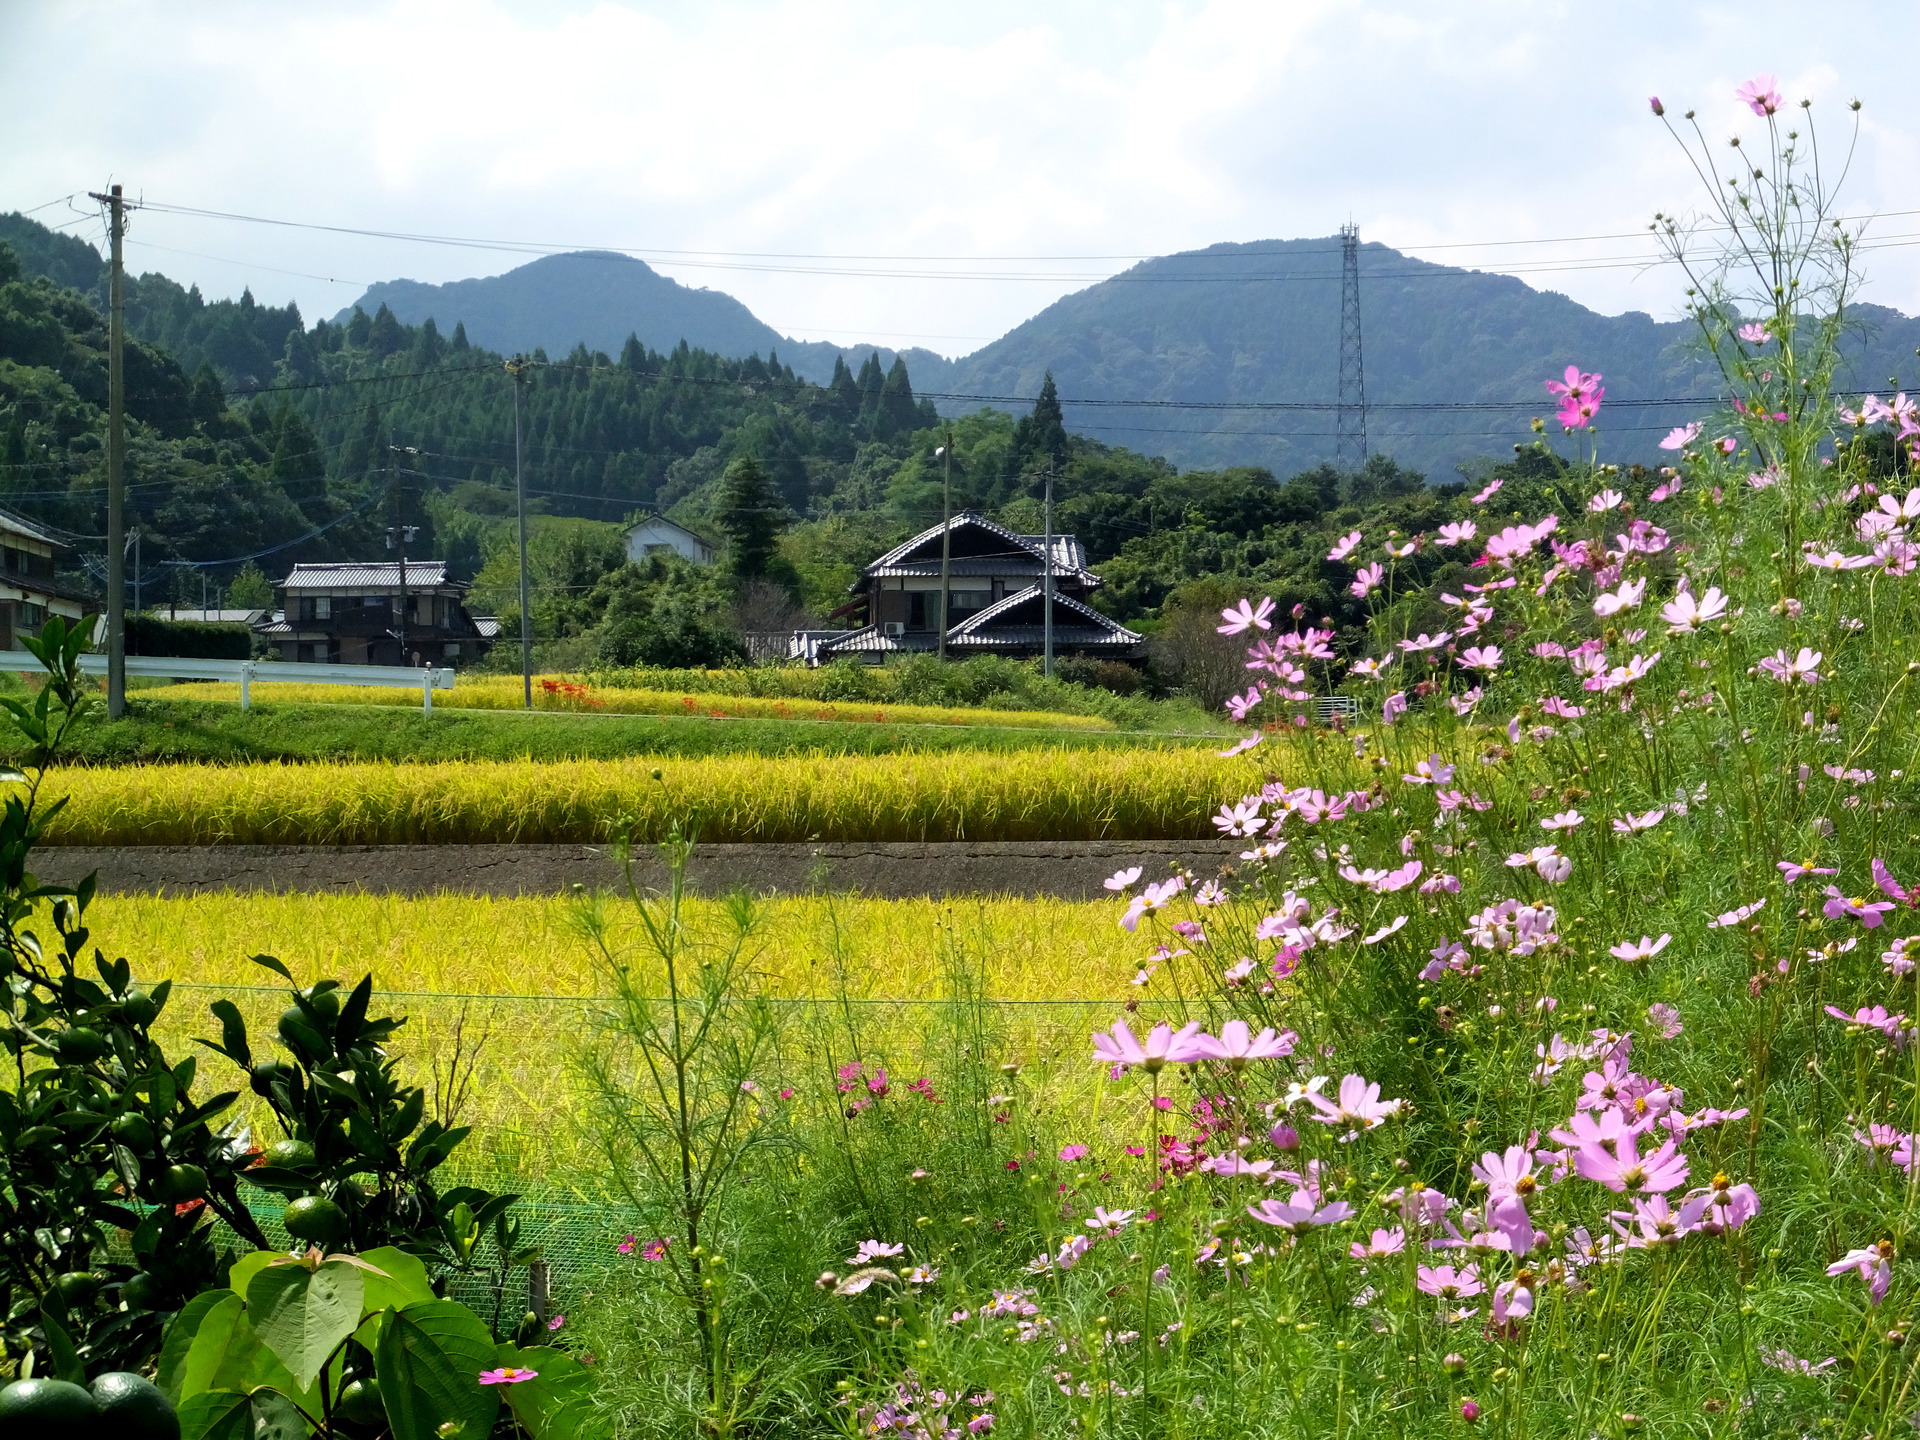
(516, 367)
(1046, 587)
(116, 461)
(136, 570)
(398, 535)
(946, 534)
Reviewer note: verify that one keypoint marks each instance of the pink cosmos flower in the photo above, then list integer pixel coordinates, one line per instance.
(1430, 771)
(1244, 616)
(1633, 824)
(1873, 1264)
(1165, 1046)
(1240, 748)
(1754, 334)
(1237, 1044)
(1359, 1105)
(1122, 879)
(1626, 597)
(1449, 1283)
(1665, 1020)
(507, 1375)
(1299, 1214)
(1492, 489)
(1871, 914)
(1456, 532)
(1577, 386)
(1070, 1153)
(656, 1249)
(1394, 707)
(872, 1250)
(1344, 546)
(1684, 614)
(1507, 1176)
(1873, 1017)
(1804, 667)
(1425, 641)
(1481, 657)
(1643, 949)
(1565, 820)
(1665, 1169)
(1366, 578)
(1798, 870)
(1760, 96)
(1681, 436)
(1891, 887)
(1381, 1244)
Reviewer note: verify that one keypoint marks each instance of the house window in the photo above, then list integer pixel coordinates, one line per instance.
(450, 651)
(920, 605)
(655, 548)
(963, 603)
(32, 616)
(316, 607)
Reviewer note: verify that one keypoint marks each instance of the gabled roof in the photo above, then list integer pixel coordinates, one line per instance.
(654, 517)
(20, 525)
(981, 547)
(1008, 620)
(378, 575)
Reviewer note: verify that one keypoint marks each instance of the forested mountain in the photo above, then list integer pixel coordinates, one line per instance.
(1261, 323)
(597, 298)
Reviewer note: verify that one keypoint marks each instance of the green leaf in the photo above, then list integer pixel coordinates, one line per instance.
(217, 1415)
(405, 1282)
(273, 965)
(557, 1404)
(275, 1417)
(302, 1315)
(226, 1354)
(179, 1339)
(428, 1359)
(67, 1364)
(248, 1266)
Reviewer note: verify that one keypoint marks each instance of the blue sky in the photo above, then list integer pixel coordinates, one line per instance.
(988, 157)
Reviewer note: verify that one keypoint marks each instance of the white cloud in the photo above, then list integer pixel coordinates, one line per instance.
(869, 129)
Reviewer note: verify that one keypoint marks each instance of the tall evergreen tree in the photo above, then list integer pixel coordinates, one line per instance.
(897, 413)
(751, 515)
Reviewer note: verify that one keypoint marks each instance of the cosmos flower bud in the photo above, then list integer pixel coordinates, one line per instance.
(1654, 102)
(1455, 1363)
(1470, 1411)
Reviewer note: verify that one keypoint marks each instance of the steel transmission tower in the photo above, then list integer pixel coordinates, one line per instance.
(1350, 450)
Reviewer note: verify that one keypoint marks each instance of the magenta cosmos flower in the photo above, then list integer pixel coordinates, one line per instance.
(1237, 1044)
(1625, 1170)
(1874, 1264)
(507, 1375)
(1245, 616)
(1448, 1283)
(1870, 913)
(1760, 95)
(1299, 1214)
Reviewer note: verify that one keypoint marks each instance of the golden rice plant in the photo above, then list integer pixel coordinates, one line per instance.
(1040, 794)
(561, 693)
(494, 990)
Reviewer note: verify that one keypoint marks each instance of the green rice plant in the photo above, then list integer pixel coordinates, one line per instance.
(1049, 794)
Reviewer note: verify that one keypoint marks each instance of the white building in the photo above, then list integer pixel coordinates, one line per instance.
(657, 535)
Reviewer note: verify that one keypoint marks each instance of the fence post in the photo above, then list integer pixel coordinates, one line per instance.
(246, 678)
(426, 689)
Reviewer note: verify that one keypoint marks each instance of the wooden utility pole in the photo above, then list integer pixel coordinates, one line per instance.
(1046, 587)
(116, 460)
(400, 535)
(946, 535)
(517, 367)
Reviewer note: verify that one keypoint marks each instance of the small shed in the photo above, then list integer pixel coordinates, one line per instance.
(657, 535)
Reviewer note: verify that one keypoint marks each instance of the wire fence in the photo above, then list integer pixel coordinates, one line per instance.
(504, 1064)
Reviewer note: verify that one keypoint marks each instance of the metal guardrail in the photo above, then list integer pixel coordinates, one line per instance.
(425, 679)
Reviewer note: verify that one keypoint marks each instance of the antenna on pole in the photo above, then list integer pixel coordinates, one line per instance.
(1350, 449)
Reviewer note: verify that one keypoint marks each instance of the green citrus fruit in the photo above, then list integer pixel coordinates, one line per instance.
(265, 1073)
(315, 1218)
(144, 1292)
(40, 1409)
(298, 1032)
(133, 1131)
(182, 1183)
(79, 1045)
(132, 1408)
(327, 1001)
(77, 1287)
(291, 1155)
(360, 1402)
(138, 1007)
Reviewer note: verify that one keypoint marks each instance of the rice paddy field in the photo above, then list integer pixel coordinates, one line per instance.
(509, 984)
(560, 693)
(1045, 793)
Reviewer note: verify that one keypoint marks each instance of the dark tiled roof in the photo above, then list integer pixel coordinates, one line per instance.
(1021, 557)
(19, 524)
(994, 622)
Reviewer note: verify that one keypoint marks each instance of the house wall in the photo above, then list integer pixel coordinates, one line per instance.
(645, 539)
